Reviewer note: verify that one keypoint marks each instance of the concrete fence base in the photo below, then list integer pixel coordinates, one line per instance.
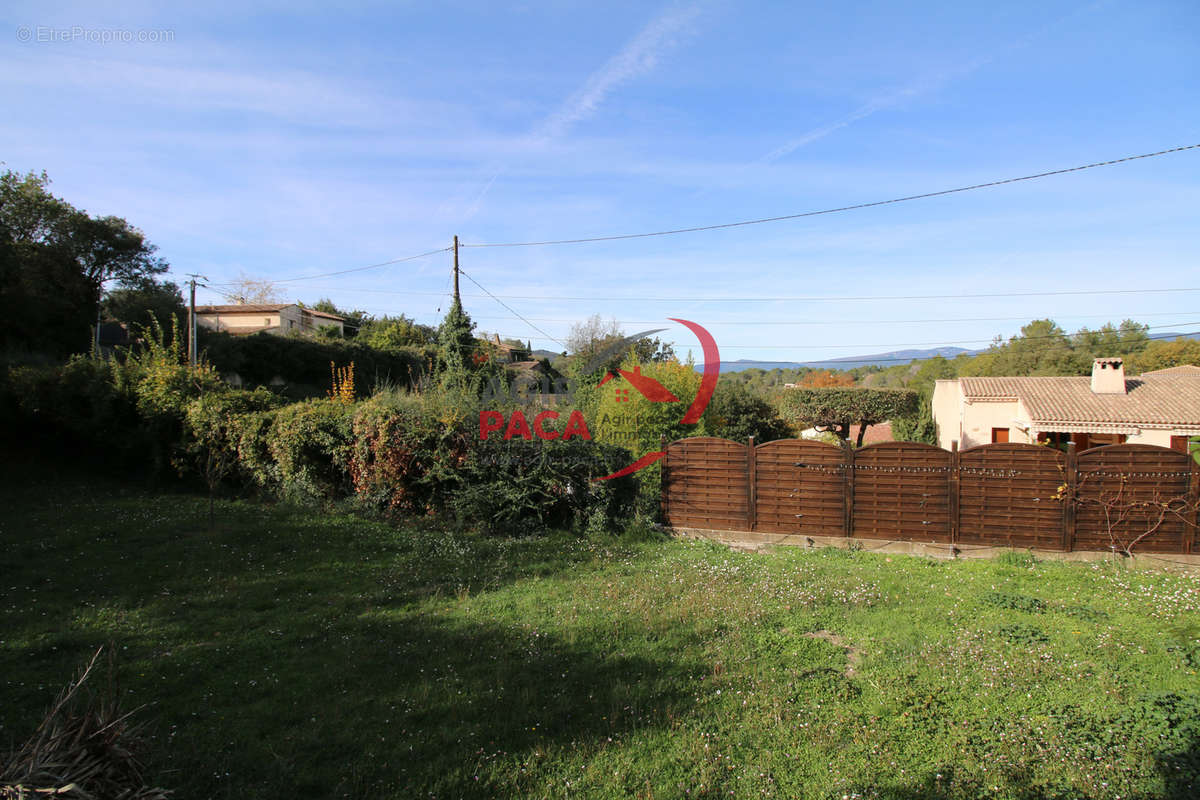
(760, 541)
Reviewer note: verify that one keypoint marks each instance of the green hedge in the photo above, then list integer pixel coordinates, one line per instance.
(310, 443)
(262, 357)
(77, 405)
(405, 454)
(394, 452)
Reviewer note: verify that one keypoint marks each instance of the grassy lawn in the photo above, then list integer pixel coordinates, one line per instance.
(292, 654)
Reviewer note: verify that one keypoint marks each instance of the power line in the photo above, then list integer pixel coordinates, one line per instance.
(958, 342)
(1066, 340)
(1069, 336)
(360, 269)
(775, 299)
(900, 360)
(839, 209)
(742, 323)
(514, 313)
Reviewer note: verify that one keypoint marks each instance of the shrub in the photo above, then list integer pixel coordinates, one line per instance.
(162, 384)
(213, 430)
(406, 452)
(251, 435)
(736, 413)
(423, 454)
(520, 485)
(310, 445)
(77, 402)
(620, 415)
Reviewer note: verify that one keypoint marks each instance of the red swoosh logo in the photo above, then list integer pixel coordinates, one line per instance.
(644, 461)
(712, 372)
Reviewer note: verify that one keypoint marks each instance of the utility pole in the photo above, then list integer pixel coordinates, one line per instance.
(456, 298)
(191, 323)
(99, 302)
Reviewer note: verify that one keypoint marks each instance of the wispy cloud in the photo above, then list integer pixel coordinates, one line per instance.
(879, 103)
(290, 96)
(922, 86)
(641, 55)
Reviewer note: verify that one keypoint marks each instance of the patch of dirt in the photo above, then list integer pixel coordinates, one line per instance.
(854, 655)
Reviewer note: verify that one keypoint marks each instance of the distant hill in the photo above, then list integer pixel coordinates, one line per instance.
(880, 359)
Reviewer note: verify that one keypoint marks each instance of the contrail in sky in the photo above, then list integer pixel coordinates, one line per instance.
(918, 88)
(639, 56)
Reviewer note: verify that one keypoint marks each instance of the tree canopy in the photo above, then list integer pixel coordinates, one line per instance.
(735, 412)
(248, 289)
(594, 337)
(135, 304)
(838, 408)
(55, 260)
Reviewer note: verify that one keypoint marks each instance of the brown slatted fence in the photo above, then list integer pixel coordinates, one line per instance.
(902, 492)
(1006, 495)
(800, 487)
(1122, 489)
(706, 484)
(999, 494)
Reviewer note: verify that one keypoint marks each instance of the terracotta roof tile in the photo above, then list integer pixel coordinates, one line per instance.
(245, 308)
(1152, 399)
(1184, 370)
(262, 308)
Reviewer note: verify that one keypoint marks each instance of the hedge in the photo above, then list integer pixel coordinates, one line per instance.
(262, 357)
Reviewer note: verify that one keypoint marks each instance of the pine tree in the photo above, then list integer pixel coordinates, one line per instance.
(456, 345)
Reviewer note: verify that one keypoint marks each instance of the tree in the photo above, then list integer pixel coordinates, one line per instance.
(1162, 354)
(355, 320)
(736, 413)
(594, 338)
(135, 304)
(837, 409)
(54, 262)
(589, 337)
(620, 414)
(822, 378)
(456, 345)
(246, 290)
(919, 426)
(390, 333)
(1041, 348)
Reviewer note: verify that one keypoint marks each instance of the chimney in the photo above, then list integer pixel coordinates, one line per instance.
(1108, 376)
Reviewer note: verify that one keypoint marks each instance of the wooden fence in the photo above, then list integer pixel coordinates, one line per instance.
(1123, 497)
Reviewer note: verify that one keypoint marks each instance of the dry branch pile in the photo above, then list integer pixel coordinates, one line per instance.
(82, 750)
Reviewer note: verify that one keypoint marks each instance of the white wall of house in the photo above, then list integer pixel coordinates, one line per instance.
(287, 319)
(240, 322)
(980, 417)
(1155, 436)
(304, 320)
(971, 423)
(947, 411)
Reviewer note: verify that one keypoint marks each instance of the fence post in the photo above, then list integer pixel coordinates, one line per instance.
(751, 485)
(664, 498)
(1069, 499)
(952, 479)
(1190, 542)
(848, 493)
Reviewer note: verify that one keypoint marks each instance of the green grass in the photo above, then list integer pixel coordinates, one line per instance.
(293, 654)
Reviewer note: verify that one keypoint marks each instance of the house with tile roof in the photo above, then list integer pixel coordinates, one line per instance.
(277, 318)
(1159, 408)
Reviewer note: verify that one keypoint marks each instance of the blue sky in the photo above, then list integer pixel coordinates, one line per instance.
(281, 140)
